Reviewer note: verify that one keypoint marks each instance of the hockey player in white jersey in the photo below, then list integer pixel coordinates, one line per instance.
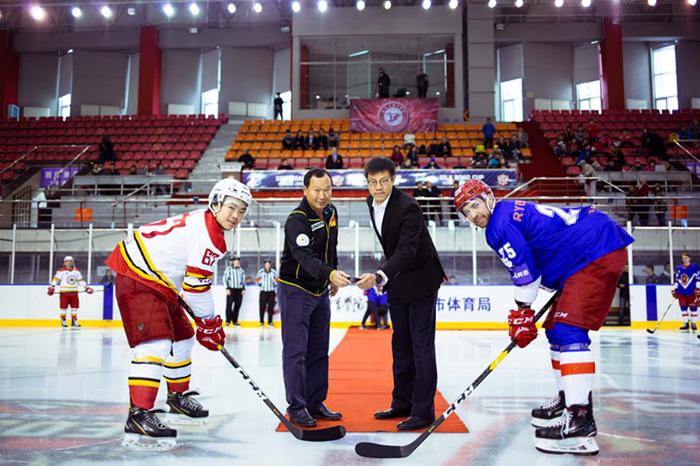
(155, 264)
(69, 281)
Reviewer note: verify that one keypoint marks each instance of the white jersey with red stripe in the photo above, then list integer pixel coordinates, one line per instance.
(179, 253)
(68, 280)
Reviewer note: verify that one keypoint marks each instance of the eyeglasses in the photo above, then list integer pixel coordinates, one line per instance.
(384, 182)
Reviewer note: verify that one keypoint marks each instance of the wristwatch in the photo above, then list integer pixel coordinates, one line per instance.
(378, 278)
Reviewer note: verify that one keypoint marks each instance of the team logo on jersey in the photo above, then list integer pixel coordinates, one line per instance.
(209, 257)
(302, 240)
(332, 223)
(684, 279)
(70, 279)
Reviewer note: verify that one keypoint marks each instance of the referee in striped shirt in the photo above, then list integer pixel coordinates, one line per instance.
(267, 279)
(235, 287)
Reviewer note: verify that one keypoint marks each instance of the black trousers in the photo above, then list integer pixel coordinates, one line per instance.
(422, 92)
(233, 304)
(278, 112)
(372, 309)
(413, 350)
(267, 304)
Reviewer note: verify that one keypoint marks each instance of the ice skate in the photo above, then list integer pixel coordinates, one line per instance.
(573, 433)
(64, 324)
(144, 431)
(685, 328)
(693, 327)
(185, 410)
(74, 323)
(549, 412)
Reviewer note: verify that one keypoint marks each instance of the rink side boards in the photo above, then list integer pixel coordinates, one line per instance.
(459, 307)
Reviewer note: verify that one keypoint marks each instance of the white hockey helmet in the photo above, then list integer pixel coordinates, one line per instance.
(68, 258)
(229, 187)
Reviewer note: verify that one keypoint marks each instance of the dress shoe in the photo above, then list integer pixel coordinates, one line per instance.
(301, 417)
(393, 413)
(322, 412)
(414, 423)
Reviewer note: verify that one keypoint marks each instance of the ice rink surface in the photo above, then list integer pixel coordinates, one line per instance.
(64, 398)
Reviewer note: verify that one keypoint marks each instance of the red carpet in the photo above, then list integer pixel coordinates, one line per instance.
(360, 383)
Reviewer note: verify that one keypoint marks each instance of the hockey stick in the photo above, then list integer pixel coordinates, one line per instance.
(376, 450)
(320, 435)
(658, 324)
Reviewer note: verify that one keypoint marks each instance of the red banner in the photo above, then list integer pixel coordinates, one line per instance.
(393, 115)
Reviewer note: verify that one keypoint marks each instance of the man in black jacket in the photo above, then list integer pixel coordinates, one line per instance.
(308, 267)
(411, 275)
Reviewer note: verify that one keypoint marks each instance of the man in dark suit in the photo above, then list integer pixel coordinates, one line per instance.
(411, 275)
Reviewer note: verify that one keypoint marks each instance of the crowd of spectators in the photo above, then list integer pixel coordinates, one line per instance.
(313, 140)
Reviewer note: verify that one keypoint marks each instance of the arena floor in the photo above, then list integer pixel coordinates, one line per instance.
(63, 400)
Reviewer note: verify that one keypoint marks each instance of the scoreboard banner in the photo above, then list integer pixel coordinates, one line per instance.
(355, 179)
(393, 115)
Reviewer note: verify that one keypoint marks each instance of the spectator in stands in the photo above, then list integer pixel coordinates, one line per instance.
(421, 192)
(685, 133)
(623, 286)
(559, 148)
(522, 137)
(422, 83)
(435, 149)
(334, 161)
(407, 165)
(588, 175)
(568, 136)
(247, 160)
(653, 143)
(409, 139)
(434, 206)
(432, 164)
(106, 150)
(397, 156)
(694, 128)
(516, 146)
(580, 134)
(285, 165)
(659, 204)
(299, 141)
(445, 147)
(310, 141)
(610, 166)
(321, 140)
(383, 84)
(107, 278)
(132, 171)
(626, 139)
(650, 277)
(585, 152)
(666, 166)
(454, 215)
(278, 102)
(666, 276)
(412, 155)
(643, 191)
(480, 158)
(591, 130)
(637, 167)
(488, 130)
(95, 169)
(617, 158)
(288, 141)
(333, 138)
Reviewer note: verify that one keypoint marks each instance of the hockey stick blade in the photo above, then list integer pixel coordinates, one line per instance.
(376, 450)
(320, 435)
(650, 331)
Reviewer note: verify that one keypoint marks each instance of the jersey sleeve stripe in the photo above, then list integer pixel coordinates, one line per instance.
(192, 289)
(197, 272)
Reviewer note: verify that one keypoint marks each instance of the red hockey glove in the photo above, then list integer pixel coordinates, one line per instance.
(521, 326)
(674, 293)
(89, 290)
(51, 291)
(210, 334)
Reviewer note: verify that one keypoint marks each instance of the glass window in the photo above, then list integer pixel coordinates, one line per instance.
(210, 102)
(512, 100)
(64, 106)
(336, 70)
(588, 96)
(664, 79)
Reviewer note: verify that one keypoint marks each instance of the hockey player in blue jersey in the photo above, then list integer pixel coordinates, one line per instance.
(581, 253)
(686, 290)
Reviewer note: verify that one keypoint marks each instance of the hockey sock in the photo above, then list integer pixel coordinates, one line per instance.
(693, 315)
(178, 367)
(684, 315)
(577, 373)
(63, 315)
(555, 355)
(74, 315)
(145, 371)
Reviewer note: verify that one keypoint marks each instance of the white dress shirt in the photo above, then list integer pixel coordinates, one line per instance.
(379, 210)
